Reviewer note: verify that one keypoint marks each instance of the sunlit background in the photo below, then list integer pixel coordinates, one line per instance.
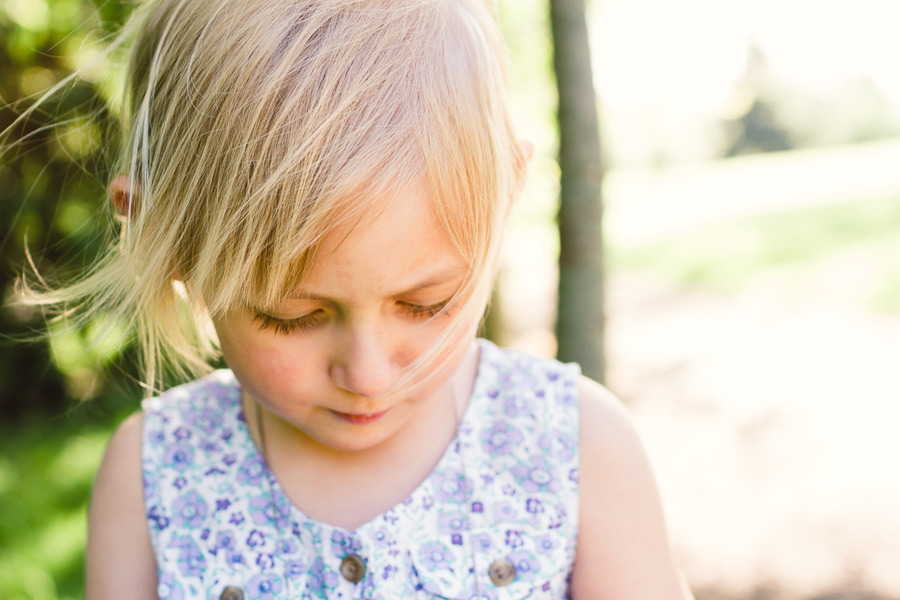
(753, 293)
(752, 200)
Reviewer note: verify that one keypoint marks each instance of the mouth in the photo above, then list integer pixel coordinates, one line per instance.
(360, 419)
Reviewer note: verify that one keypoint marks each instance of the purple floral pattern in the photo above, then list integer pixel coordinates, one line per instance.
(506, 488)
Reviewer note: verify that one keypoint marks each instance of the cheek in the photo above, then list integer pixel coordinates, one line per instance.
(264, 364)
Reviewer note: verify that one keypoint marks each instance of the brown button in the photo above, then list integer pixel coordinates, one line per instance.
(502, 571)
(353, 568)
(232, 593)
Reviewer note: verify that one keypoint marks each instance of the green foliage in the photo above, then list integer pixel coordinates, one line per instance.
(53, 166)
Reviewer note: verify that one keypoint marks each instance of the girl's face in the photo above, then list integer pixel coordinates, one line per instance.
(324, 361)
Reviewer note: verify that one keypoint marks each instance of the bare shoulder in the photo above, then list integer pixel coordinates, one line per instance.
(601, 412)
(623, 549)
(119, 561)
(609, 440)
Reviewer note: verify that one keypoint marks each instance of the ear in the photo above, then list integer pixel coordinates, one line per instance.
(524, 152)
(124, 193)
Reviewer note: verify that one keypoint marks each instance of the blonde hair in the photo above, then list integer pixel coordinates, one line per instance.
(253, 129)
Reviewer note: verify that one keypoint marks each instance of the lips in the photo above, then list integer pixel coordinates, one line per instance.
(360, 419)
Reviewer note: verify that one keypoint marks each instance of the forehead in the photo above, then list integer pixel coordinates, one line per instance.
(400, 245)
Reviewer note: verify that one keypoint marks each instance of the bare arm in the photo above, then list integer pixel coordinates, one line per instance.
(120, 561)
(623, 551)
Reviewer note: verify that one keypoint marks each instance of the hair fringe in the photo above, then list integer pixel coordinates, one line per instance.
(253, 130)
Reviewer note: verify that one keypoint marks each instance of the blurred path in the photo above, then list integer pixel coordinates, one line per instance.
(773, 428)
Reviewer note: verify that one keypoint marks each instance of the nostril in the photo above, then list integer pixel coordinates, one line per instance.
(369, 385)
(364, 363)
(364, 379)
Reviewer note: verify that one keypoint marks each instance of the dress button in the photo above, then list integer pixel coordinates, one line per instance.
(232, 593)
(353, 568)
(502, 571)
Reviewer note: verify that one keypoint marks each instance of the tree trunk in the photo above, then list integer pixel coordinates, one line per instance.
(580, 314)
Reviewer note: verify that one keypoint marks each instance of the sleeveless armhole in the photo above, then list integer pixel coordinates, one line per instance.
(188, 432)
(151, 459)
(563, 418)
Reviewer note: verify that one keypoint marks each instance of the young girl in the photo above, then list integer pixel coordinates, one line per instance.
(316, 189)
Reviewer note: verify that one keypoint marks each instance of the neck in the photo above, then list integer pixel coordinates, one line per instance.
(324, 482)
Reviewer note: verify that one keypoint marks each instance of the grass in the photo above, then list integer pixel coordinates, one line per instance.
(46, 471)
(886, 297)
(731, 255)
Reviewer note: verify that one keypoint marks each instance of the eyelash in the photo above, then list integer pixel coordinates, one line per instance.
(419, 311)
(287, 326)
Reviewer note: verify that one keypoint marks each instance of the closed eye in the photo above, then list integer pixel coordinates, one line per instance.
(424, 311)
(286, 326)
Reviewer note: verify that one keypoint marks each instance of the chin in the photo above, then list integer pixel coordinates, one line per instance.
(354, 443)
(349, 437)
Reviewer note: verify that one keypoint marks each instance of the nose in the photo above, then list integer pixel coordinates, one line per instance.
(364, 365)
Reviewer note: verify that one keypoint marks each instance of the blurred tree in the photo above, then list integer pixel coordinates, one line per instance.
(758, 129)
(580, 320)
(53, 166)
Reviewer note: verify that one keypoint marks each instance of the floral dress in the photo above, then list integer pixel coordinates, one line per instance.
(496, 519)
